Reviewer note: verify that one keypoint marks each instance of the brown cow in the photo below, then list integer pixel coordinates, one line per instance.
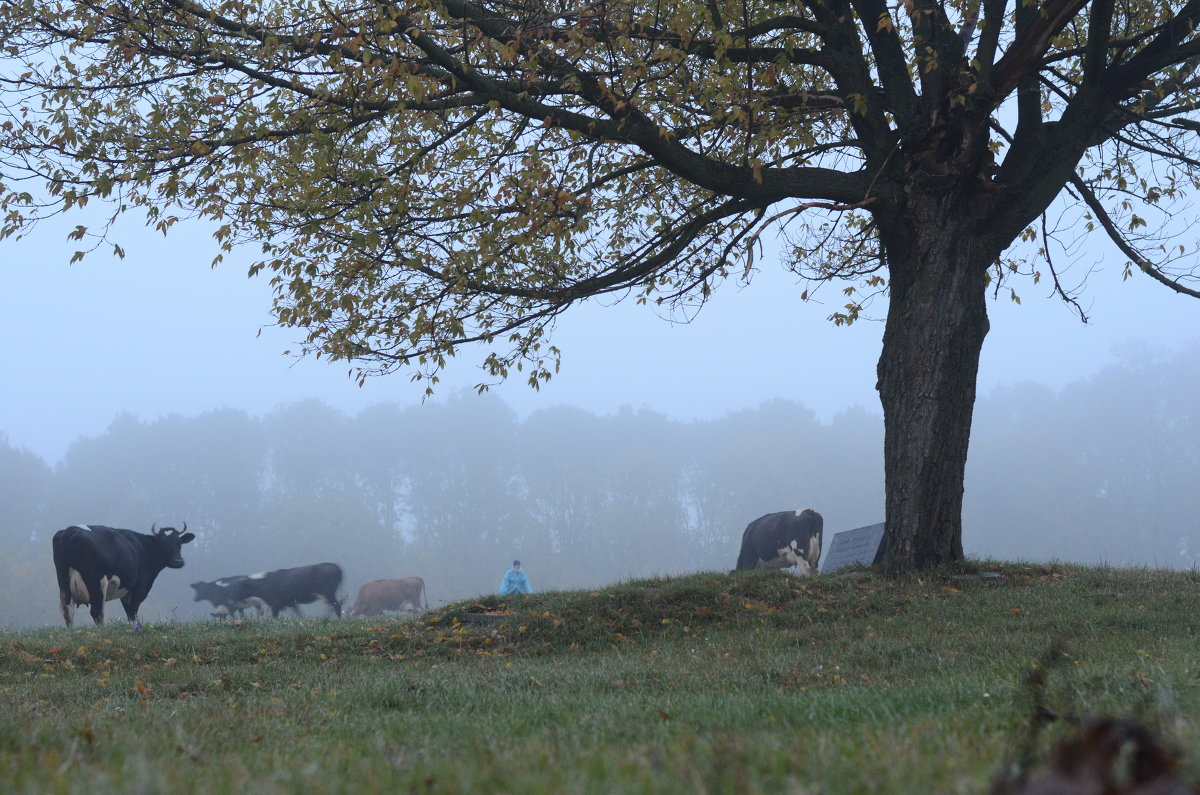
(379, 595)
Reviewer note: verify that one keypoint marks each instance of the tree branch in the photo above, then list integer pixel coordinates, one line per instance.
(1032, 41)
(1117, 238)
(890, 59)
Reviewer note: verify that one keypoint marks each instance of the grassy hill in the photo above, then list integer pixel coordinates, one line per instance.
(710, 683)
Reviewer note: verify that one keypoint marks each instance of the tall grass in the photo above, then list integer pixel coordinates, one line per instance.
(708, 683)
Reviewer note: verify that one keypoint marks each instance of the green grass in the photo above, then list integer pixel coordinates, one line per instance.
(709, 683)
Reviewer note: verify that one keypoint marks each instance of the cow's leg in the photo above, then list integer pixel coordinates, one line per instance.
(131, 606)
(77, 593)
(813, 556)
(95, 591)
(330, 600)
(68, 610)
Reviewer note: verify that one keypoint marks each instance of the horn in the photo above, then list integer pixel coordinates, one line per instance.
(154, 529)
(184, 528)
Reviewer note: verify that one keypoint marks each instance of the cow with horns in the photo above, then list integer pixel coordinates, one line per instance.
(96, 564)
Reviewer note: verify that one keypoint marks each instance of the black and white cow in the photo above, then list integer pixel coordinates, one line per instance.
(284, 588)
(96, 564)
(221, 594)
(780, 540)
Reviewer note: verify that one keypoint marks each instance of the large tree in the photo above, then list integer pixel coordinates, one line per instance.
(428, 173)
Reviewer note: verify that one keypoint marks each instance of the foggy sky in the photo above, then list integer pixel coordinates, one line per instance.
(161, 332)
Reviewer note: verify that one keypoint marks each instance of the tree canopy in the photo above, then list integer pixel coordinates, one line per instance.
(423, 174)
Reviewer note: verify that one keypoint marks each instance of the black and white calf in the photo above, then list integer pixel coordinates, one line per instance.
(780, 540)
(96, 564)
(225, 596)
(284, 588)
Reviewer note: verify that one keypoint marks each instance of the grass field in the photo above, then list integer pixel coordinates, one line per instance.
(708, 683)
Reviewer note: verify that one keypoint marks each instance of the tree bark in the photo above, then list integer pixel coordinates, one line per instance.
(936, 323)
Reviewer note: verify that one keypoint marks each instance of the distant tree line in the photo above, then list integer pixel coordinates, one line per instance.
(1105, 470)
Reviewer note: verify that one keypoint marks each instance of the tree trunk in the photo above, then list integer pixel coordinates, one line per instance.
(937, 319)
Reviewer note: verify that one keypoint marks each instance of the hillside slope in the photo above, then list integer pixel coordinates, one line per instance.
(756, 682)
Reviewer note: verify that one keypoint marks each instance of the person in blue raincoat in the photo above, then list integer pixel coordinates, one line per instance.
(515, 581)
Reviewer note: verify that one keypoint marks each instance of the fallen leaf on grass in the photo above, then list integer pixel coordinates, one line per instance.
(198, 758)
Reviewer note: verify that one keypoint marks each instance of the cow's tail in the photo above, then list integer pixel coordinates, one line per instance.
(337, 583)
(423, 597)
(61, 568)
(746, 557)
(62, 573)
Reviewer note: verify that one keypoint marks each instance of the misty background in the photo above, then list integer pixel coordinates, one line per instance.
(154, 390)
(453, 491)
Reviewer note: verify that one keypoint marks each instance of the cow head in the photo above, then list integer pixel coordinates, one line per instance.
(207, 590)
(169, 542)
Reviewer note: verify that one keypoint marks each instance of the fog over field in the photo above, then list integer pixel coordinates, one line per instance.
(140, 392)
